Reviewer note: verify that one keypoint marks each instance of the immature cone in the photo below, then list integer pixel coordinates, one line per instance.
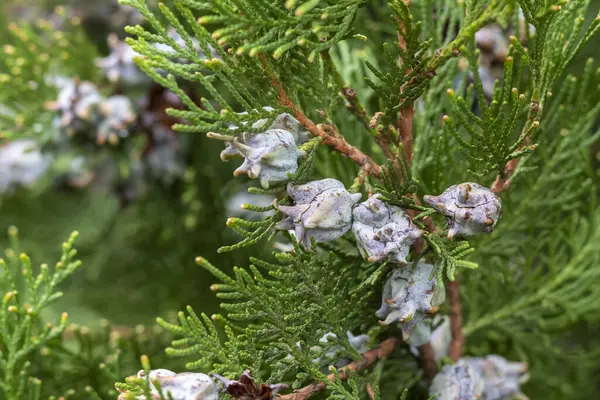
(77, 105)
(383, 231)
(440, 337)
(287, 122)
(183, 386)
(408, 295)
(269, 156)
(117, 115)
(21, 163)
(417, 330)
(493, 44)
(457, 382)
(322, 210)
(119, 66)
(283, 121)
(502, 378)
(470, 208)
(358, 343)
(245, 388)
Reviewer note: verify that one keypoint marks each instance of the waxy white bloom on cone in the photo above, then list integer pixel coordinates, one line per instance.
(322, 210)
(408, 296)
(459, 381)
(502, 378)
(383, 232)
(183, 386)
(470, 209)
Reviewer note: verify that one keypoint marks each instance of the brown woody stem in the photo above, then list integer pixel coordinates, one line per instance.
(384, 349)
(405, 133)
(456, 321)
(427, 357)
(338, 143)
(502, 181)
(405, 124)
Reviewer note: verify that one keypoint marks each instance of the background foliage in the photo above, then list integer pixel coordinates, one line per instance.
(532, 298)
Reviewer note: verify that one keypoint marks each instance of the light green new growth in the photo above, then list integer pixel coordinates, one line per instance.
(135, 386)
(273, 326)
(26, 295)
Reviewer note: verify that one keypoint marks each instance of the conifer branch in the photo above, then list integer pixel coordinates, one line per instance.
(405, 130)
(427, 357)
(384, 349)
(405, 123)
(356, 107)
(337, 143)
(456, 321)
(502, 181)
(407, 113)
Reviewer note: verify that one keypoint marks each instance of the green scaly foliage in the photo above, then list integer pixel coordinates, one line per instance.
(271, 324)
(528, 289)
(72, 360)
(22, 331)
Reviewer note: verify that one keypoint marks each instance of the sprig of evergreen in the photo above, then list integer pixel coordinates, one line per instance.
(135, 387)
(22, 331)
(272, 326)
(253, 232)
(265, 27)
(492, 137)
(533, 295)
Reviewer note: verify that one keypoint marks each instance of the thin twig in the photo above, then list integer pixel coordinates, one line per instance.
(405, 123)
(356, 107)
(502, 181)
(384, 349)
(456, 321)
(337, 143)
(405, 120)
(359, 110)
(370, 392)
(427, 357)
(405, 135)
